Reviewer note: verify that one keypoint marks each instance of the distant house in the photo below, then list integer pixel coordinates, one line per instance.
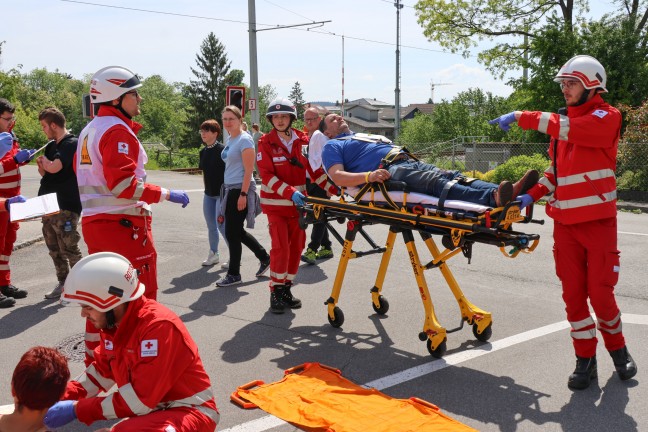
(373, 116)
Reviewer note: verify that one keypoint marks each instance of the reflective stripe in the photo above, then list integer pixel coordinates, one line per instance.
(611, 323)
(89, 386)
(277, 202)
(577, 325)
(134, 403)
(564, 127)
(10, 185)
(583, 202)
(4, 267)
(8, 173)
(546, 183)
(4, 257)
(272, 181)
(580, 178)
(91, 337)
(212, 414)
(543, 123)
(105, 383)
(282, 188)
(300, 188)
(278, 275)
(89, 352)
(615, 330)
(321, 178)
(584, 334)
(613, 326)
(98, 190)
(122, 186)
(107, 408)
(265, 188)
(197, 399)
(196, 402)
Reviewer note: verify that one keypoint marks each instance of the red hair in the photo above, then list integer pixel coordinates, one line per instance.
(40, 378)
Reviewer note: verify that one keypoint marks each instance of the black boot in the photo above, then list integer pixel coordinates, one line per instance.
(585, 372)
(276, 299)
(624, 364)
(288, 299)
(6, 302)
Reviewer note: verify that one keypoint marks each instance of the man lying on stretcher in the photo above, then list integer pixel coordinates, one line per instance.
(355, 159)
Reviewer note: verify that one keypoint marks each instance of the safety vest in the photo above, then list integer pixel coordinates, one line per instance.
(96, 197)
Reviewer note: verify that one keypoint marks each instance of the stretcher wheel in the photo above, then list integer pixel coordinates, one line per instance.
(384, 306)
(485, 335)
(439, 351)
(339, 317)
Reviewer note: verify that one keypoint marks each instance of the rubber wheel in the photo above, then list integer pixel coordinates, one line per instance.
(339, 317)
(439, 351)
(485, 335)
(384, 306)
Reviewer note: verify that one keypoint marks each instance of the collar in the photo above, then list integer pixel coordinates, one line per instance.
(127, 323)
(578, 111)
(107, 110)
(343, 134)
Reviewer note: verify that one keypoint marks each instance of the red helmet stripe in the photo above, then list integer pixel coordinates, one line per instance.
(583, 78)
(116, 81)
(86, 297)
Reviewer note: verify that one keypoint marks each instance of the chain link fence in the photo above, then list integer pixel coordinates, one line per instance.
(477, 155)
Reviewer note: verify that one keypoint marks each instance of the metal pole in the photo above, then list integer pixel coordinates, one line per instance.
(254, 74)
(342, 106)
(397, 91)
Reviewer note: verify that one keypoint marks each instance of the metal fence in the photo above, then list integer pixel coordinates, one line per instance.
(478, 155)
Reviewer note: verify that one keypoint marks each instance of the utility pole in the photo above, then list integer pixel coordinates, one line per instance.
(254, 73)
(397, 116)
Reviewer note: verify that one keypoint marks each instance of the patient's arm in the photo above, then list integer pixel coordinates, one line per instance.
(345, 178)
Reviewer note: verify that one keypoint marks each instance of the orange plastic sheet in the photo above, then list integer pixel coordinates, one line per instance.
(317, 397)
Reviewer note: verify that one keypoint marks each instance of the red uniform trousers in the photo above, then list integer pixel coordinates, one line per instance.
(288, 240)
(587, 263)
(8, 234)
(174, 419)
(109, 235)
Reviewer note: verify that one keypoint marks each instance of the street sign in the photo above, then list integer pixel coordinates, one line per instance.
(252, 104)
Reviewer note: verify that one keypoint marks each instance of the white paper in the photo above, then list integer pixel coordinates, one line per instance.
(34, 207)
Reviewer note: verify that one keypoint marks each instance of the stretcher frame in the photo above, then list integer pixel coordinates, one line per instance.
(459, 231)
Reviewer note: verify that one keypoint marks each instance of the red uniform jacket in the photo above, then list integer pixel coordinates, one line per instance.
(281, 175)
(583, 161)
(10, 173)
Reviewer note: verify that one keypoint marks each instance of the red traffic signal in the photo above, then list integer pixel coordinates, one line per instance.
(235, 95)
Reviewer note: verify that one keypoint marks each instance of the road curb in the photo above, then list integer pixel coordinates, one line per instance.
(27, 243)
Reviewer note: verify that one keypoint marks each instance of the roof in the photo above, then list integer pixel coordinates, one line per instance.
(380, 124)
(390, 113)
(369, 101)
(423, 108)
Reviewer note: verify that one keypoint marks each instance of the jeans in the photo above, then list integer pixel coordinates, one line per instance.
(425, 178)
(211, 209)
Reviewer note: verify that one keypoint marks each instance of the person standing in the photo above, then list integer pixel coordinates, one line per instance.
(583, 153)
(283, 167)
(57, 171)
(146, 353)
(213, 169)
(239, 200)
(256, 134)
(115, 197)
(10, 163)
(319, 235)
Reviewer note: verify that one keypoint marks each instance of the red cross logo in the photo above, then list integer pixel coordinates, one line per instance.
(148, 345)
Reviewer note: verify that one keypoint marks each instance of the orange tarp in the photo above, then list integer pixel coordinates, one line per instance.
(318, 397)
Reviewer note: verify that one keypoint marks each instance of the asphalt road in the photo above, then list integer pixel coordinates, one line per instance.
(515, 382)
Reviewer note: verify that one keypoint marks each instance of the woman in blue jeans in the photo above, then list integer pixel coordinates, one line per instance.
(213, 168)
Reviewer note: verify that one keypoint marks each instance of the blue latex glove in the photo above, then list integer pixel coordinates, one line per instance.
(60, 414)
(525, 200)
(179, 197)
(24, 155)
(504, 121)
(16, 199)
(6, 142)
(298, 198)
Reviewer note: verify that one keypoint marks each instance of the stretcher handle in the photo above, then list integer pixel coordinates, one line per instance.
(239, 400)
(424, 403)
(304, 366)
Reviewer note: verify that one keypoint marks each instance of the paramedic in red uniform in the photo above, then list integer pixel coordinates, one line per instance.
(146, 352)
(282, 168)
(115, 197)
(581, 177)
(11, 158)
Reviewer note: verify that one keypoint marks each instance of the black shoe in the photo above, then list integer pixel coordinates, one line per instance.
(288, 299)
(584, 373)
(6, 302)
(263, 267)
(276, 300)
(12, 291)
(624, 364)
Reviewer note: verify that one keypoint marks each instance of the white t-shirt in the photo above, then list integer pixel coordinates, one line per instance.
(315, 146)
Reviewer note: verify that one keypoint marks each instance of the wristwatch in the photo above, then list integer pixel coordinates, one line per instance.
(244, 194)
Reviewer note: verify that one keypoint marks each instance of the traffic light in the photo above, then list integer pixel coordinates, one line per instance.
(236, 96)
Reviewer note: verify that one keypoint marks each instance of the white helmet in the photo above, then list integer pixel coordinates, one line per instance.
(111, 82)
(281, 106)
(102, 281)
(587, 70)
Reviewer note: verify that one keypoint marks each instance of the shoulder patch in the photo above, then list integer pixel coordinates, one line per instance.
(149, 348)
(259, 156)
(108, 344)
(122, 147)
(600, 113)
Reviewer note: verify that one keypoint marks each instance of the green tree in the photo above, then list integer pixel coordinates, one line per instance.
(296, 96)
(266, 94)
(207, 92)
(164, 112)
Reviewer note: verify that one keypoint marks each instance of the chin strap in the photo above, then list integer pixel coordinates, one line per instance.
(121, 109)
(584, 97)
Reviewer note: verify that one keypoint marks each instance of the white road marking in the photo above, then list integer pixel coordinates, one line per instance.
(270, 421)
(632, 233)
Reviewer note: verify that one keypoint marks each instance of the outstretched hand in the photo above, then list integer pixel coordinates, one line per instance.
(504, 121)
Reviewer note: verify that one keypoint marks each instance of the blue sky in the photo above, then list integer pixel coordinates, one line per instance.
(80, 38)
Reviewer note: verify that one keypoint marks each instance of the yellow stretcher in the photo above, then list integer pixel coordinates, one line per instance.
(459, 230)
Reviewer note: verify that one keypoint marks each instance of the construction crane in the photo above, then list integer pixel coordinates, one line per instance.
(434, 85)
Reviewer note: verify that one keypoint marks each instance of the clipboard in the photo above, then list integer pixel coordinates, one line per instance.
(34, 208)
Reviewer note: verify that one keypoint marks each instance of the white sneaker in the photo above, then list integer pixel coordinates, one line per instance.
(225, 265)
(212, 259)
